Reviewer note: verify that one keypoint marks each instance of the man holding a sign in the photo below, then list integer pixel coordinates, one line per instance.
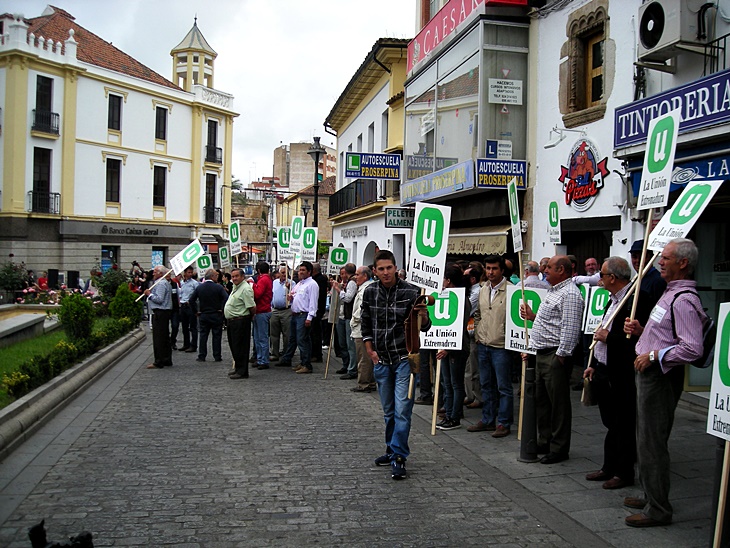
(671, 338)
(555, 334)
(159, 299)
(612, 378)
(495, 362)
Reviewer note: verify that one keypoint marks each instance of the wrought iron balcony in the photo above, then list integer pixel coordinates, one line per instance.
(212, 215)
(357, 194)
(45, 121)
(44, 202)
(214, 155)
(716, 57)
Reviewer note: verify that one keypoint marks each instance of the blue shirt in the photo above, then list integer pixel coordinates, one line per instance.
(279, 298)
(187, 287)
(160, 297)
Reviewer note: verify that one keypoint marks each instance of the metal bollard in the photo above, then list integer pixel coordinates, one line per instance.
(528, 441)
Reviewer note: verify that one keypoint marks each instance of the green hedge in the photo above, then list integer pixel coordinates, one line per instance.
(40, 369)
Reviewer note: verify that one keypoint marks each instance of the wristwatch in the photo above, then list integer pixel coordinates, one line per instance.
(652, 356)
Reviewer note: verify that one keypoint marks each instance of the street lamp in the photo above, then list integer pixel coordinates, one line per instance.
(315, 152)
(305, 209)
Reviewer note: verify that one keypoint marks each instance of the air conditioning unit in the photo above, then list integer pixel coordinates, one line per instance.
(667, 27)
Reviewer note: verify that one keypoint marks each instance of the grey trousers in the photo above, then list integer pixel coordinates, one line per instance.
(657, 395)
(552, 401)
(471, 375)
(278, 326)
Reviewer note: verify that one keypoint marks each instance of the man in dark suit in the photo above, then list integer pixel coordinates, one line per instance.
(211, 298)
(612, 378)
(322, 283)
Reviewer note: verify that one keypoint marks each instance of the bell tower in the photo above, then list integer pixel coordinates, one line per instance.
(193, 60)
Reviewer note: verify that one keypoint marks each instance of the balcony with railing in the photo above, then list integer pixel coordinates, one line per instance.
(212, 215)
(213, 155)
(44, 202)
(358, 193)
(716, 58)
(45, 121)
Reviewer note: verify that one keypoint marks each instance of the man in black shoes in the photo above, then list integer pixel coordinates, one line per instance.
(239, 310)
(210, 298)
(386, 305)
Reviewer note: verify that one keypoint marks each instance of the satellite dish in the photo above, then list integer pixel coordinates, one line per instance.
(651, 26)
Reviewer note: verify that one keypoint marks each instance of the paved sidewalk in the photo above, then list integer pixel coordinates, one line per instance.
(183, 456)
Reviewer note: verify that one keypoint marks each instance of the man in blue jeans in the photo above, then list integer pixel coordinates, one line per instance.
(495, 363)
(304, 298)
(385, 307)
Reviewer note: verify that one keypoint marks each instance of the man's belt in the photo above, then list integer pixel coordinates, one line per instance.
(284, 308)
(543, 351)
(237, 318)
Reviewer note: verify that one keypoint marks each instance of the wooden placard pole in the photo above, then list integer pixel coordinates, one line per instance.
(335, 301)
(622, 302)
(524, 360)
(723, 500)
(640, 272)
(436, 384)
(154, 284)
(412, 380)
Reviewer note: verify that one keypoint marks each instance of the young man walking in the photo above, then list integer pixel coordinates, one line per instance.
(385, 306)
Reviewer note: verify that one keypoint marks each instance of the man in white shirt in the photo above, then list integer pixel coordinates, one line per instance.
(303, 299)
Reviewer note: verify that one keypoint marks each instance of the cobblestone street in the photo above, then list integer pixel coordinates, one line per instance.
(183, 456)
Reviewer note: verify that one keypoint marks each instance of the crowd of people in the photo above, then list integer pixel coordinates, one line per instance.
(636, 370)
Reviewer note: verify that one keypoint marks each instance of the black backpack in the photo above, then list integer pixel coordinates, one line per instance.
(709, 334)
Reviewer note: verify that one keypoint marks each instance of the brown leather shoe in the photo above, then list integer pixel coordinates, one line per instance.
(153, 366)
(303, 371)
(481, 427)
(500, 432)
(599, 476)
(237, 376)
(475, 405)
(642, 520)
(617, 483)
(634, 502)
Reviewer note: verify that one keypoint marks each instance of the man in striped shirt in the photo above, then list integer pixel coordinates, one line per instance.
(554, 336)
(671, 338)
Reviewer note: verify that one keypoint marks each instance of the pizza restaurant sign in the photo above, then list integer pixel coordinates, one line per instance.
(584, 176)
(444, 23)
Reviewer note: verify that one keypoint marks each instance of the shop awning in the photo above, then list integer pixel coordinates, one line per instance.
(485, 240)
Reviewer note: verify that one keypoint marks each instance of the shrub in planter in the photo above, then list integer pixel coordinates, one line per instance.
(110, 281)
(76, 315)
(123, 305)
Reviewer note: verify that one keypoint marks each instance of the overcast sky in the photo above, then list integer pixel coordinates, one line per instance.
(285, 61)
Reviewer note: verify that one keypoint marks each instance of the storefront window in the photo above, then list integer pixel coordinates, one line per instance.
(457, 100)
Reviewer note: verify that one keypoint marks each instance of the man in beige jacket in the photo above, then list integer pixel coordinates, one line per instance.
(495, 363)
(365, 378)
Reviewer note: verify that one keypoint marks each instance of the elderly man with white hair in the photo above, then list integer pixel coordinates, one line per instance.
(159, 299)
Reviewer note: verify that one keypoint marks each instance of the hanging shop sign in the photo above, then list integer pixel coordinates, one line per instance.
(498, 173)
(360, 165)
(583, 177)
(447, 181)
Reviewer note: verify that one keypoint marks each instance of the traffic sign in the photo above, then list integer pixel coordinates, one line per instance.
(656, 175)
(447, 320)
(224, 256)
(295, 239)
(514, 329)
(679, 220)
(234, 237)
(338, 257)
(428, 245)
(186, 257)
(309, 244)
(514, 215)
(554, 223)
(283, 236)
(718, 418)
